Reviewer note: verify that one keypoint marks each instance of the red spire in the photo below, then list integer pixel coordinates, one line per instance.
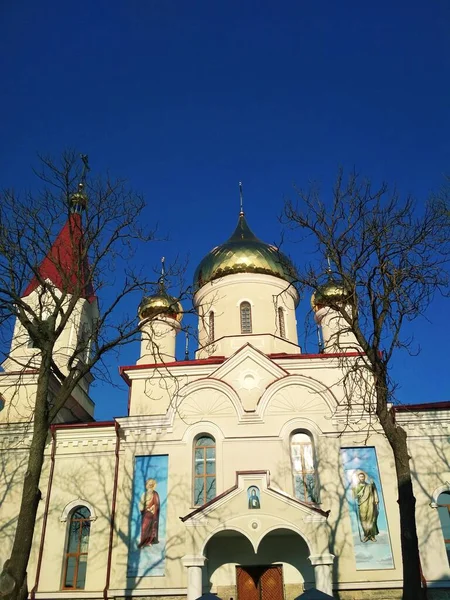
(61, 265)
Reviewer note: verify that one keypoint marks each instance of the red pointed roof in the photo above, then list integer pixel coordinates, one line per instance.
(61, 265)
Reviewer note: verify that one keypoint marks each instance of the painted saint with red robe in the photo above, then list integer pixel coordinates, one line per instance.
(149, 507)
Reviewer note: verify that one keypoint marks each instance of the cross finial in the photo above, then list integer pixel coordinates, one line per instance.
(86, 167)
(163, 273)
(241, 199)
(78, 200)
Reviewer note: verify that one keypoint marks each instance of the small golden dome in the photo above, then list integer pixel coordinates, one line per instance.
(331, 291)
(243, 253)
(160, 304)
(79, 199)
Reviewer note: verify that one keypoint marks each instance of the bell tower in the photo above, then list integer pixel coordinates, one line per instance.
(335, 332)
(63, 273)
(160, 316)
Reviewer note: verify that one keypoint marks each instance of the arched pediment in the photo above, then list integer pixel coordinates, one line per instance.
(228, 527)
(445, 487)
(297, 394)
(207, 399)
(278, 510)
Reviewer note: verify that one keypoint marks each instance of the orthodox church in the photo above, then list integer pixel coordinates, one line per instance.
(245, 473)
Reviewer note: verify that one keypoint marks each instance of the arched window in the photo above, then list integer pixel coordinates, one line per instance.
(211, 327)
(443, 506)
(246, 317)
(303, 471)
(75, 562)
(281, 325)
(204, 469)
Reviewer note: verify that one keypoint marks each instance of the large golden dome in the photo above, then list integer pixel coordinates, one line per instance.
(243, 253)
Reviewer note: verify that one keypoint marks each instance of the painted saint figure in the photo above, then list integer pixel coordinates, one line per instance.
(366, 496)
(149, 507)
(253, 499)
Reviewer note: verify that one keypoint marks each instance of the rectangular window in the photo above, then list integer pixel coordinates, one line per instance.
(246, 318)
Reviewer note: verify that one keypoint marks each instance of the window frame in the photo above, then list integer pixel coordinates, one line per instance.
(78, 553)
(204, 475)
(439, 504)
(246, 328)
(281, 322)
(304, 472)
(211, 327)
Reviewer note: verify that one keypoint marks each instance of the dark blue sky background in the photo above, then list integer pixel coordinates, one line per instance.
(187, 98)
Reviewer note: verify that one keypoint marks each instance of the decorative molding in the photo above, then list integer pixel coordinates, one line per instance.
(241, 279)
(116, 593)
(187, 393)
(193, 560)
(300, 405)
(197, 521)
(283, 524)
(254, 524)
(437, 492)
(248, 351)
(78, 502)
(371, 585)
(321, 559)
(228, 527)
(199, 407)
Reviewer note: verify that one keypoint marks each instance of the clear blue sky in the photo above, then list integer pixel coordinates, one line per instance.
(187, 98)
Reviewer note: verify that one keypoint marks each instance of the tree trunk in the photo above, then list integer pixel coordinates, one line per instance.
(396, 436)
(31, 494)
(412, 584)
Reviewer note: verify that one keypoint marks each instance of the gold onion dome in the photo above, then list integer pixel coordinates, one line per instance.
(243, 253)
(79, 199)
(330, 292)
(158, 304)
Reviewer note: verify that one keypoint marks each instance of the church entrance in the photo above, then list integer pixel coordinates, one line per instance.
(260, 582)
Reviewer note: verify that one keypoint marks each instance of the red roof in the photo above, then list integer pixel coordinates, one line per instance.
(61, 265)
(443, 405)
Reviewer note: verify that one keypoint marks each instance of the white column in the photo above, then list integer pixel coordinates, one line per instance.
(194, 566)
(323, 564)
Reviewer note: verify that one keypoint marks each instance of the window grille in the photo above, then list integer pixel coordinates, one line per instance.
(281, 325)
(75, 563)
(204, 470)
(246, 317)
(303, 470)
(211, 327)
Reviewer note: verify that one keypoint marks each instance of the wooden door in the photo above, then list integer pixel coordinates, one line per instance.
(260, 583)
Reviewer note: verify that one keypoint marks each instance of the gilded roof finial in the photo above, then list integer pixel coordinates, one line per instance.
(162, 279)
(86, 167)
(78, 200)
(241, 199)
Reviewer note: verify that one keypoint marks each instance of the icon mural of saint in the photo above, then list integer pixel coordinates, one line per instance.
(366, 495)
(149, 507)
(253, 498)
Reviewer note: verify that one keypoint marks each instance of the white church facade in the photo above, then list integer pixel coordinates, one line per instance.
(243, 473)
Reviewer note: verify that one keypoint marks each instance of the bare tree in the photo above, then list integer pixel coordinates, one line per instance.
(388, 258)
(49, 283)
